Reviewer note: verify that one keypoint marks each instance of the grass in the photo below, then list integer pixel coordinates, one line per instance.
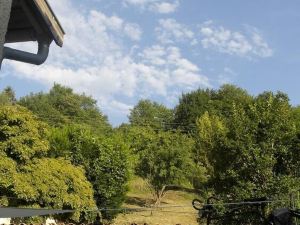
(140, 196)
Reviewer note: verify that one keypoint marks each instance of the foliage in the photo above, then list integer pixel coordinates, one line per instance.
(224, 141)
(61, 106)
(249, 151)
(7, 96)
(109, 174)
(166, 160)
(219, 102)
(152, 114)
(22, 136)
(191, 106)
(28, 177)
(54, 183)
(296, 117)
(104, 159)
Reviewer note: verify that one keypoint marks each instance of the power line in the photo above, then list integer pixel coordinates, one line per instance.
(177, 206)
(246, 203)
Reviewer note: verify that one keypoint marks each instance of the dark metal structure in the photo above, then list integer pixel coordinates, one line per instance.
(248, 212)
(29, 20)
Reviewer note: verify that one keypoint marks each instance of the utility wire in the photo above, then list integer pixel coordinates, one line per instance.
(175, 206)
(245, 203)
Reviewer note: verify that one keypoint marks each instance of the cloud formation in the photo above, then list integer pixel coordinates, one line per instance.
(97, 60)
(231, 42)
(157, 6)
(170, 31)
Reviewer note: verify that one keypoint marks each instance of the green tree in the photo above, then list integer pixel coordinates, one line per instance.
(152, 114)
(296, 142)
(27, 176)
(22, 136)
(191, 106)
(296, 117)
(7, 96)
(62, 106)
(104, 159)
(167, 161)
(219, 102)
(250, 149)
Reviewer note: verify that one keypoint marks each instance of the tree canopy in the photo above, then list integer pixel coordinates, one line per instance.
(58, 149)
(250, 149)
(62, 106)
(28, 176)
(105, 161)
(152, 114)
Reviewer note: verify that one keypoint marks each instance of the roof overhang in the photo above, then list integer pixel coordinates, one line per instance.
(31, 20)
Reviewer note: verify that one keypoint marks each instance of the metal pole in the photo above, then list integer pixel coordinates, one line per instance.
(5, 7)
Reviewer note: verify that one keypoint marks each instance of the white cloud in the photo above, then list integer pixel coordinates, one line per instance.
(262, 49)
(165, 7)
(169, 31)
(234, 42)
(158, 6)
(96, 60)
(133, 31)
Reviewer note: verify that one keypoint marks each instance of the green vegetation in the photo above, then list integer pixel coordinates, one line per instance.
(31, 179)
(58, 150)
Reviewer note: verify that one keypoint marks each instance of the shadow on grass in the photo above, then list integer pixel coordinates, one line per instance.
(141, 202)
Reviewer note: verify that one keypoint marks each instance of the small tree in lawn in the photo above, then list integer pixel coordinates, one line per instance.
(166, 161)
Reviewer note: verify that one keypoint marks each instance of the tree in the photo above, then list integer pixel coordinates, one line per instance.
(249, 151)
(109, 174)
(191, 106)
(152, 114)
(61, 107)
(296, 142)
(54, 183)
(296, 117)
(219, 102)
(28, 177)
(7, 96)
(22, 136)
(166, 161)
(104, 159)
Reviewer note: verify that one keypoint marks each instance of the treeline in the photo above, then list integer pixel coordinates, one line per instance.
(58, 150)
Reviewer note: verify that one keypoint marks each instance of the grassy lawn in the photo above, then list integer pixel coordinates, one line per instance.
(140, 196)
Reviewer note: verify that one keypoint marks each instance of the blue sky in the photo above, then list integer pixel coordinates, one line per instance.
(120, 51)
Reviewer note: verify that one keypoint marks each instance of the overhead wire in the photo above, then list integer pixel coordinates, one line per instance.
(176, 206)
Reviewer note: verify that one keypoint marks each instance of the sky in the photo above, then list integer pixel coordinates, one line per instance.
(121, 51)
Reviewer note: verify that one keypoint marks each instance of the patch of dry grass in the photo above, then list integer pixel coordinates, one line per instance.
(140, 196)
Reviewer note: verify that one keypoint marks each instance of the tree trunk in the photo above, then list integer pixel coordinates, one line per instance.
(159, 195)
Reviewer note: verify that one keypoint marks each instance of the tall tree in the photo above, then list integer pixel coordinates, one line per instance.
(104, 159)
(152, 114)
(296, 117)
(28, 178)
(250, 149)
(167, 161)
(193, 105)
(7, 96)
(62, 106)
